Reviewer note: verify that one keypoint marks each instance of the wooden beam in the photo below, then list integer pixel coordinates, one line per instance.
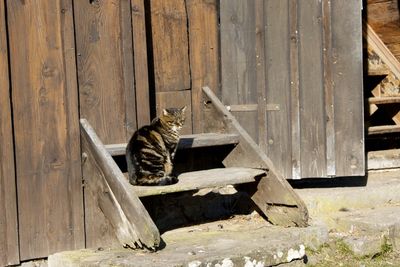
(187, 141)
(274, 196)
(384, 100)
(204, 179)
(119, 194)
(383, 129)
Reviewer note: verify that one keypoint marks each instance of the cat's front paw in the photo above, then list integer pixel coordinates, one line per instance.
(172, 179)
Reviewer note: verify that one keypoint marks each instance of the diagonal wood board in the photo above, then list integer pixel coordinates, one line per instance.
(274, 195)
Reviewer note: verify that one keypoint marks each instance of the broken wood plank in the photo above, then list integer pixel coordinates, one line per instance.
(204, 179)
(144, 232)
(383, 129)
(274, 196)
(187, 141)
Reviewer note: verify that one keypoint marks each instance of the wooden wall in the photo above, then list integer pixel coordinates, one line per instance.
(46, 127)
(291, 71)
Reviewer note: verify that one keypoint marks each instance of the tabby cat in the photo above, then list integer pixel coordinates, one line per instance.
(151, 150)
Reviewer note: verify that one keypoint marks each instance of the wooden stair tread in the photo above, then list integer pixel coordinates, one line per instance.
(187, 141)
(384, 100)
(383, 129)
(203, 179)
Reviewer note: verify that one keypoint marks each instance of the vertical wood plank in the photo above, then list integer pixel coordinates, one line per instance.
(9, 253)
(295, 89)
(140, 63)
(104, 54)
(238, 60)
(260, 74)
(176, 99)
(45, 106)
(204, 54)
(347, 76)
(328, 88)
(312, 113)
(277, 60)
(170, 45)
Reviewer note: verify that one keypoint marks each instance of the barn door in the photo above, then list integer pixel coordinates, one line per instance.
(292, 74)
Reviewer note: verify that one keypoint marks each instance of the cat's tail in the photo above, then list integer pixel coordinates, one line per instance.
(131, 167)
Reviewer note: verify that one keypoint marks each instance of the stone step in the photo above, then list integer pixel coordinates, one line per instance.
(245, 240)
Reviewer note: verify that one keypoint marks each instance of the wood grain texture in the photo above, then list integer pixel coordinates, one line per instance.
(45, 104)
(238, 59)
(140, 63)
(347, 74)
(9, 252)
(312, 114)
(105, 70)
(328, 88)
(204, 179)
(204, 54)
(294, 71)
(176, 99)
(170, 45)
(277, 47)
(142, 230)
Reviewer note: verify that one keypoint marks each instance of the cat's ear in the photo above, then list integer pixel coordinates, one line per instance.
(183, 109)
(165, 112)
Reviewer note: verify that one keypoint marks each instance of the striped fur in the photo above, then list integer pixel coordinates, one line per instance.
(151, 150)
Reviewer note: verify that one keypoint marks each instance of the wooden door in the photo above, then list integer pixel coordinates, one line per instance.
(292, 74)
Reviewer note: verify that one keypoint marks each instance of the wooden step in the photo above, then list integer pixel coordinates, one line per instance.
(383, 129)
(187, 141)
(204, 179)
(384, 100)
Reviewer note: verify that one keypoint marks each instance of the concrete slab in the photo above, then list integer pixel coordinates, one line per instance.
(240, 241)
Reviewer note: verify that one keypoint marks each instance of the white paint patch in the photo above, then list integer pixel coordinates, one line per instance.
(225, 263)
(296, 254)
(194, 264)
(252, 263)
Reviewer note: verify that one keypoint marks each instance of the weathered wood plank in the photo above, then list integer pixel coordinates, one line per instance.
(328, 88)
(274, 195)
(187, 141)
(204, 53)
(176, 99)
(383, 129)
(45, 101)
(204, 179)
(277, 63)
(134, 216)
(9, 252)
(384, 100)
(312, 137)
(140, 62)
(238, 59)
(294, 72)
(170, 45)
(104, 67)
(260, 75)
(349, 102)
